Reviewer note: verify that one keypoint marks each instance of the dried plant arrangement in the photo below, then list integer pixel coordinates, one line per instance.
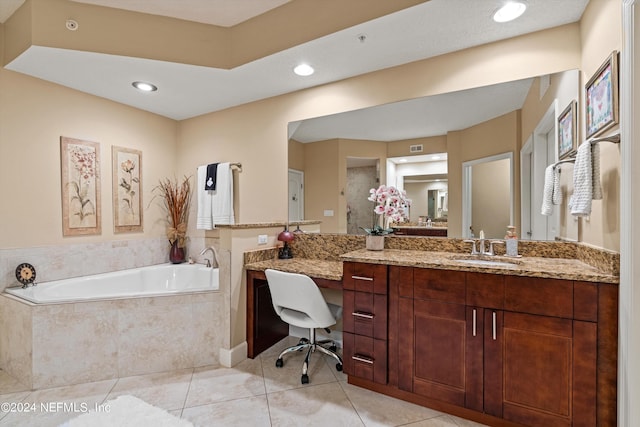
(176, 199)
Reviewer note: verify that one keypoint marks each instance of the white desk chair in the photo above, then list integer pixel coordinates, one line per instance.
(299, 302)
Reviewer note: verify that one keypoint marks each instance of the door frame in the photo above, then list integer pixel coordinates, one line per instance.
(300, 177)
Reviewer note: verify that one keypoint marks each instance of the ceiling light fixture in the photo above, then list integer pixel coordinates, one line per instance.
(304, 70)
(510, 11)
(144, 86)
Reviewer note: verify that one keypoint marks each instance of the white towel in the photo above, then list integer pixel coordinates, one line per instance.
(582, 181)
(595, 161)
(557, 192)
(547, 197)
(222, 197)
(205, 202)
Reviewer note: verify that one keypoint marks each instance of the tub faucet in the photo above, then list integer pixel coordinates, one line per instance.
(214, 256)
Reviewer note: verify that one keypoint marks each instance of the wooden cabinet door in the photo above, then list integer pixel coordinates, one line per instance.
(548, 371)
(439, 331)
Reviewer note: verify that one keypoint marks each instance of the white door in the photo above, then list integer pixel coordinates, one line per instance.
(526, 173)
(543, 154)
(296, 195)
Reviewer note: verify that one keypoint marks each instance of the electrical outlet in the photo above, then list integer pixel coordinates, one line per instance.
(328, 212)
(262, 239)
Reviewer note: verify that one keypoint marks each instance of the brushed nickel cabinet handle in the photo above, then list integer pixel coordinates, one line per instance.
(368, 279)
(364, 315)
(494, 326)
(474, 322)
(362, 359)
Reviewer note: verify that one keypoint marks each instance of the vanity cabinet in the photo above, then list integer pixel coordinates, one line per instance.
(521, 350)
(365, 307)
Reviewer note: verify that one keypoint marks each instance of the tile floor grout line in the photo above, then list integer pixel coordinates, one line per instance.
(186, 395)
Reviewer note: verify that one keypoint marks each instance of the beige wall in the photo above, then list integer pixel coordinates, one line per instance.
(256, 133)
(322, 181)
(600, 32)
(33, 116)
(430, 145)
(496, 136)
(491, 198)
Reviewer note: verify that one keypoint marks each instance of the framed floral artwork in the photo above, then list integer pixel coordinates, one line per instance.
(601, 97)
(80, 170)
(567, 134)
(127, 194)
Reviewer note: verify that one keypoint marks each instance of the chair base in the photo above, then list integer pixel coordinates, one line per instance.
(311, 345)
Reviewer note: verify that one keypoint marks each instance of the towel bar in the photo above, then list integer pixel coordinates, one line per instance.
(613, 138)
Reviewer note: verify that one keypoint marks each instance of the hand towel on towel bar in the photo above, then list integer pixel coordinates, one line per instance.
(547, 197)
(205, 201)
(215, 207)
(212, 177)
(586, 179)
(222, 200)
(556, 199)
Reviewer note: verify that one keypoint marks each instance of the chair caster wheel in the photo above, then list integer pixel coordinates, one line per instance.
(338, 367)
(333, 348)
(305, 379)
(279, 363)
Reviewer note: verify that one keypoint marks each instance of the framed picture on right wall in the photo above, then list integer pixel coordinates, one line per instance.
(601, 97)
(567, 125)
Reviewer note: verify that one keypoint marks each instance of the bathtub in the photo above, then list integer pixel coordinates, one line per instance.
(156, 280)
(105, 326)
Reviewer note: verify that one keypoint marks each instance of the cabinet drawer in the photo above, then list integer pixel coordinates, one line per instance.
(547, 297)
(365, 313)
(363, 277)
(440, 285)
(365, 357)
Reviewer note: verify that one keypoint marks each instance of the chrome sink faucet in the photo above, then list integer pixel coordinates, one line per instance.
(481, 249)
(214, 256)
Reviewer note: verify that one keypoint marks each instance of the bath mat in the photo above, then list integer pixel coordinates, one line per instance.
(126, 411)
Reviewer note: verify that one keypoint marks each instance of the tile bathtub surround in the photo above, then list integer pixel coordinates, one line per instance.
(63, 344)
(254, 393)
(64, 261)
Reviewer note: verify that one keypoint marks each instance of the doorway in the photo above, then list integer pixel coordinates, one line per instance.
(296, 195)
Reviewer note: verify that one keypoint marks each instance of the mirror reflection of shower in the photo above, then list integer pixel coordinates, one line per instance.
(424, 178)
(363, 174)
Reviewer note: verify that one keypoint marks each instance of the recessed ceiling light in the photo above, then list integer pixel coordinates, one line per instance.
(402, 160)
(436, 157)
(303, 70)
(510, 11)
(144, 86)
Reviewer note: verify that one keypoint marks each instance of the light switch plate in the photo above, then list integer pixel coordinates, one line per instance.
(262, 239)
(328, 212)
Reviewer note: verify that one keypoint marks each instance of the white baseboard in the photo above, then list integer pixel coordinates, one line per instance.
(232, 357)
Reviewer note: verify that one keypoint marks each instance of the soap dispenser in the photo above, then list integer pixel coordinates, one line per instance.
(511, 240)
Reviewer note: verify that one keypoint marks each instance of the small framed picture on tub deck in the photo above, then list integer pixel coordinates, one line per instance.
(601, 97)
(567, 131)
(127, 189)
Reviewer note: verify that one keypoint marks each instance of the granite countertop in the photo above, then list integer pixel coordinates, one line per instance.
(321, 269)
(553, 268)
(421, 227)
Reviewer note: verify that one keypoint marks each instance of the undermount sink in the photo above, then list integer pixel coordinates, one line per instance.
(487, 262)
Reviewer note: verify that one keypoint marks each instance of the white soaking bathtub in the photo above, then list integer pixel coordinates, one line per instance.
(112, 325)
(155, 280)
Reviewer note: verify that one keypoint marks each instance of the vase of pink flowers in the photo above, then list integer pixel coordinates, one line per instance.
(391, 206)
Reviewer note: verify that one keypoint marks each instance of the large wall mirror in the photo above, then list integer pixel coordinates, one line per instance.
(420, 145)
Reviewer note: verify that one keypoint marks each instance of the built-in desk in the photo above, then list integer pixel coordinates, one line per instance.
(264, 327)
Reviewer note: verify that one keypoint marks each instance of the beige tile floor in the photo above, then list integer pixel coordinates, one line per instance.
(253, 393)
